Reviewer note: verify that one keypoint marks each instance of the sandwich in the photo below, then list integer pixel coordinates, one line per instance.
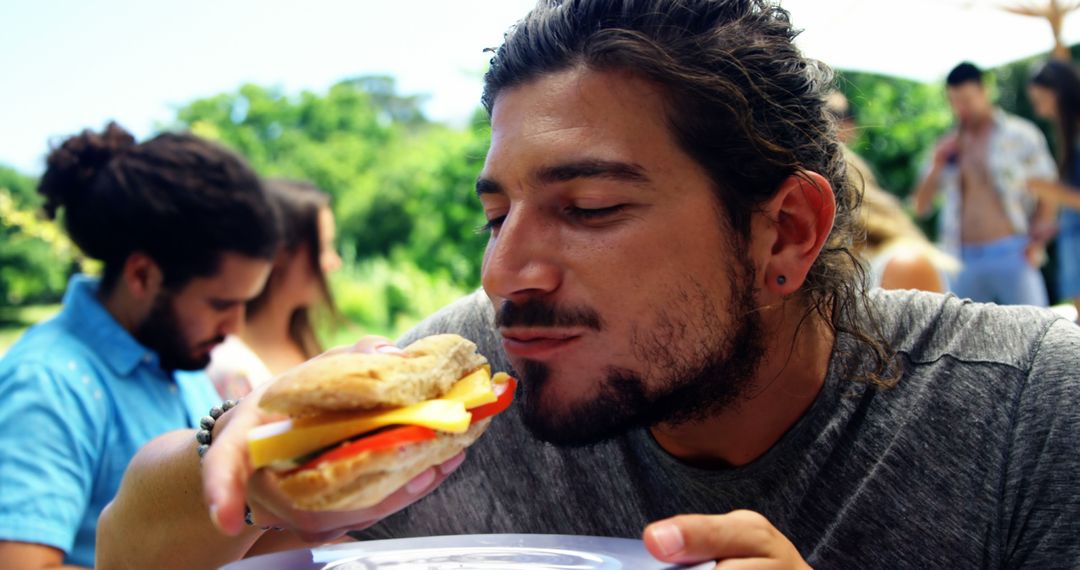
(362, 425)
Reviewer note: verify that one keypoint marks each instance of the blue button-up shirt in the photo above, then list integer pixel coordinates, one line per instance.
(78, 397)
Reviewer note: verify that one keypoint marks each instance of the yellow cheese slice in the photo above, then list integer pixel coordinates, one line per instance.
(473, 390)
(289, 439)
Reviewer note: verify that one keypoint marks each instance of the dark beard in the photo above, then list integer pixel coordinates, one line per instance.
(700, 381)
(161, 332)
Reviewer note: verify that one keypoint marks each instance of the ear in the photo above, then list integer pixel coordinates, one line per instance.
(142, 276)
(798, 218)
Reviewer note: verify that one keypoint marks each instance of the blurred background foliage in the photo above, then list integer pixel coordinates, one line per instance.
(403, 186)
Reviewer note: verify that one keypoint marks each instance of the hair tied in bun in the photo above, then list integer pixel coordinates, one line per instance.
(76, 163)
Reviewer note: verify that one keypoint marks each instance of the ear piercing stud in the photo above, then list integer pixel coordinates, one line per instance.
(780, 280)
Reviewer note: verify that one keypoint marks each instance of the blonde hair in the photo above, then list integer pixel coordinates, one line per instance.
(884, 221)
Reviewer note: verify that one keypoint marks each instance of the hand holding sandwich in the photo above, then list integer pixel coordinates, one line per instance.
(345, 440)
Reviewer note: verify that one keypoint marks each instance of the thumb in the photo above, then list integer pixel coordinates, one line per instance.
(224, 489)
(689, 539)
(226, 467)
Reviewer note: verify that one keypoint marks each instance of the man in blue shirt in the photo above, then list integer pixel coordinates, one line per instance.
(186, 236)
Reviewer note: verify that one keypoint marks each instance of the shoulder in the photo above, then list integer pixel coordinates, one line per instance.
(927, 327)
(51, 368)
(48, 350)
(1019, 126)
(909, 268)
(40, 342)
(42, 399)
(1055, 368)
(472, 317)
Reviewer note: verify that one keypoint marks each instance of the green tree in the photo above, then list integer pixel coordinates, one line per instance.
(899, 122)
(35, 257)
(403, 187)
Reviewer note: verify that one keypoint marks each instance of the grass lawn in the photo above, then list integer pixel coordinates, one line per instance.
(14, 320)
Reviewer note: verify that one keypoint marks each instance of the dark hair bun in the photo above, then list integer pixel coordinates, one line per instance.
(75, 164)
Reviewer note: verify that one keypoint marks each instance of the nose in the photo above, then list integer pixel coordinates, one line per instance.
(331, 261)
(522, 258)
(234, 320)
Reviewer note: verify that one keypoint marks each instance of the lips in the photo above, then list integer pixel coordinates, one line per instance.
(537, 344)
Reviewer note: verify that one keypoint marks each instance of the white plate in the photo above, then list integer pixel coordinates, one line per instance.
(469, 552)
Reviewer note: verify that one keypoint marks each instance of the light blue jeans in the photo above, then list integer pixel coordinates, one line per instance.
(998, 272)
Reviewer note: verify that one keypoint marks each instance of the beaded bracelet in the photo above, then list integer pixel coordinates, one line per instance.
(205, 435)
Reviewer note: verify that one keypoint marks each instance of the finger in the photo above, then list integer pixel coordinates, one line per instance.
(375, 344)
(317, 525)
(262, 518)
(751, 564)
(697, 538)
(226, 467)
(418, 487)
(367, 344)
(450, 465)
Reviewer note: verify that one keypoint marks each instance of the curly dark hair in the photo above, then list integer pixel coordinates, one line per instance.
(741, 100)
(180, 199)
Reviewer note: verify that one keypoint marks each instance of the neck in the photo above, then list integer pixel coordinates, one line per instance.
(267, 333)
(122, 307)
(787, 382)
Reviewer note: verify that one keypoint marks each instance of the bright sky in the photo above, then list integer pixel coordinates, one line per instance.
(922, 39)
(72, 64)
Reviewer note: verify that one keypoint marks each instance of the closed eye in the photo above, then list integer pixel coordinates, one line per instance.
(491, 225)
(592, 213)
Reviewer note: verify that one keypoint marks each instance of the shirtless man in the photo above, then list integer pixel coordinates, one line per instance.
(989, 220)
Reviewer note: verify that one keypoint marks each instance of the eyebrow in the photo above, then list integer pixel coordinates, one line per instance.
(606, 169)
(217, 302)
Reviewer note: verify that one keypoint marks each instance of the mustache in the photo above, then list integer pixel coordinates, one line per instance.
(538, 313)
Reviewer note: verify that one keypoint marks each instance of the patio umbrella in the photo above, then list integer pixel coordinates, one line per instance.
(923, 39)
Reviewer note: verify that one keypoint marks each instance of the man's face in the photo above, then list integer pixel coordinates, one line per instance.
(970, 103)
(622, 297)
(184, 325)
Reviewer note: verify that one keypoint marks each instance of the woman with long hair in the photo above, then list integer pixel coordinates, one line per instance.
(1054, 91)
(897, 253)
(279, 331)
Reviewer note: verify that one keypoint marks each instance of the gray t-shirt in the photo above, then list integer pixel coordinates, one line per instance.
(971, 461)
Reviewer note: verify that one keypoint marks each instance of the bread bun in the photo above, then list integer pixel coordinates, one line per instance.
(326, 395)
(366, 479)
(353, 381)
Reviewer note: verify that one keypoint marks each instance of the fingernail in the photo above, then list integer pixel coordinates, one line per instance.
(388, 349)
(669, 538)
(452, 464)
(421, 482)
(214, 517)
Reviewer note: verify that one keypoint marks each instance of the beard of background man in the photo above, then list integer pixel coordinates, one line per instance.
(683, 383)
(161, 332)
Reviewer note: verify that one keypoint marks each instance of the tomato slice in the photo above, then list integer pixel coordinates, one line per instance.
(404, 435)
(394, 437)
(498, 406)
